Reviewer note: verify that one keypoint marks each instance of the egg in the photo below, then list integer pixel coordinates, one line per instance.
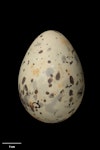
(51, 80)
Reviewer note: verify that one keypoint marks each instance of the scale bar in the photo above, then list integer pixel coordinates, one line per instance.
(11, 143)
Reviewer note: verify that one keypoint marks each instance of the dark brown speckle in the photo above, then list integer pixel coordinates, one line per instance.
(47, 92)
(71, 80)
(26, 88)
(51, 75)
(50, 80)
(79, 93)
(41, 35)
(71, 62)
(23, 80)
(31, 80)
(68, 86)
(62, 91)
(66, 70)
(44, 100)
(70, 92)
(49, 61)
(71, 99)
(50, 85)
(51, 95)
(40, 51)
(36, 91)
(58, 76)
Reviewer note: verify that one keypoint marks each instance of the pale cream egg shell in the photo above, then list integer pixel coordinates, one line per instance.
(51, 80)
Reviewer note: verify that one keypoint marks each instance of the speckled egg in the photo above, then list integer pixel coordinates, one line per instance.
(51, 80)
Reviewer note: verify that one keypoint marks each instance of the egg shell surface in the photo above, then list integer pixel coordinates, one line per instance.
(51, 80)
